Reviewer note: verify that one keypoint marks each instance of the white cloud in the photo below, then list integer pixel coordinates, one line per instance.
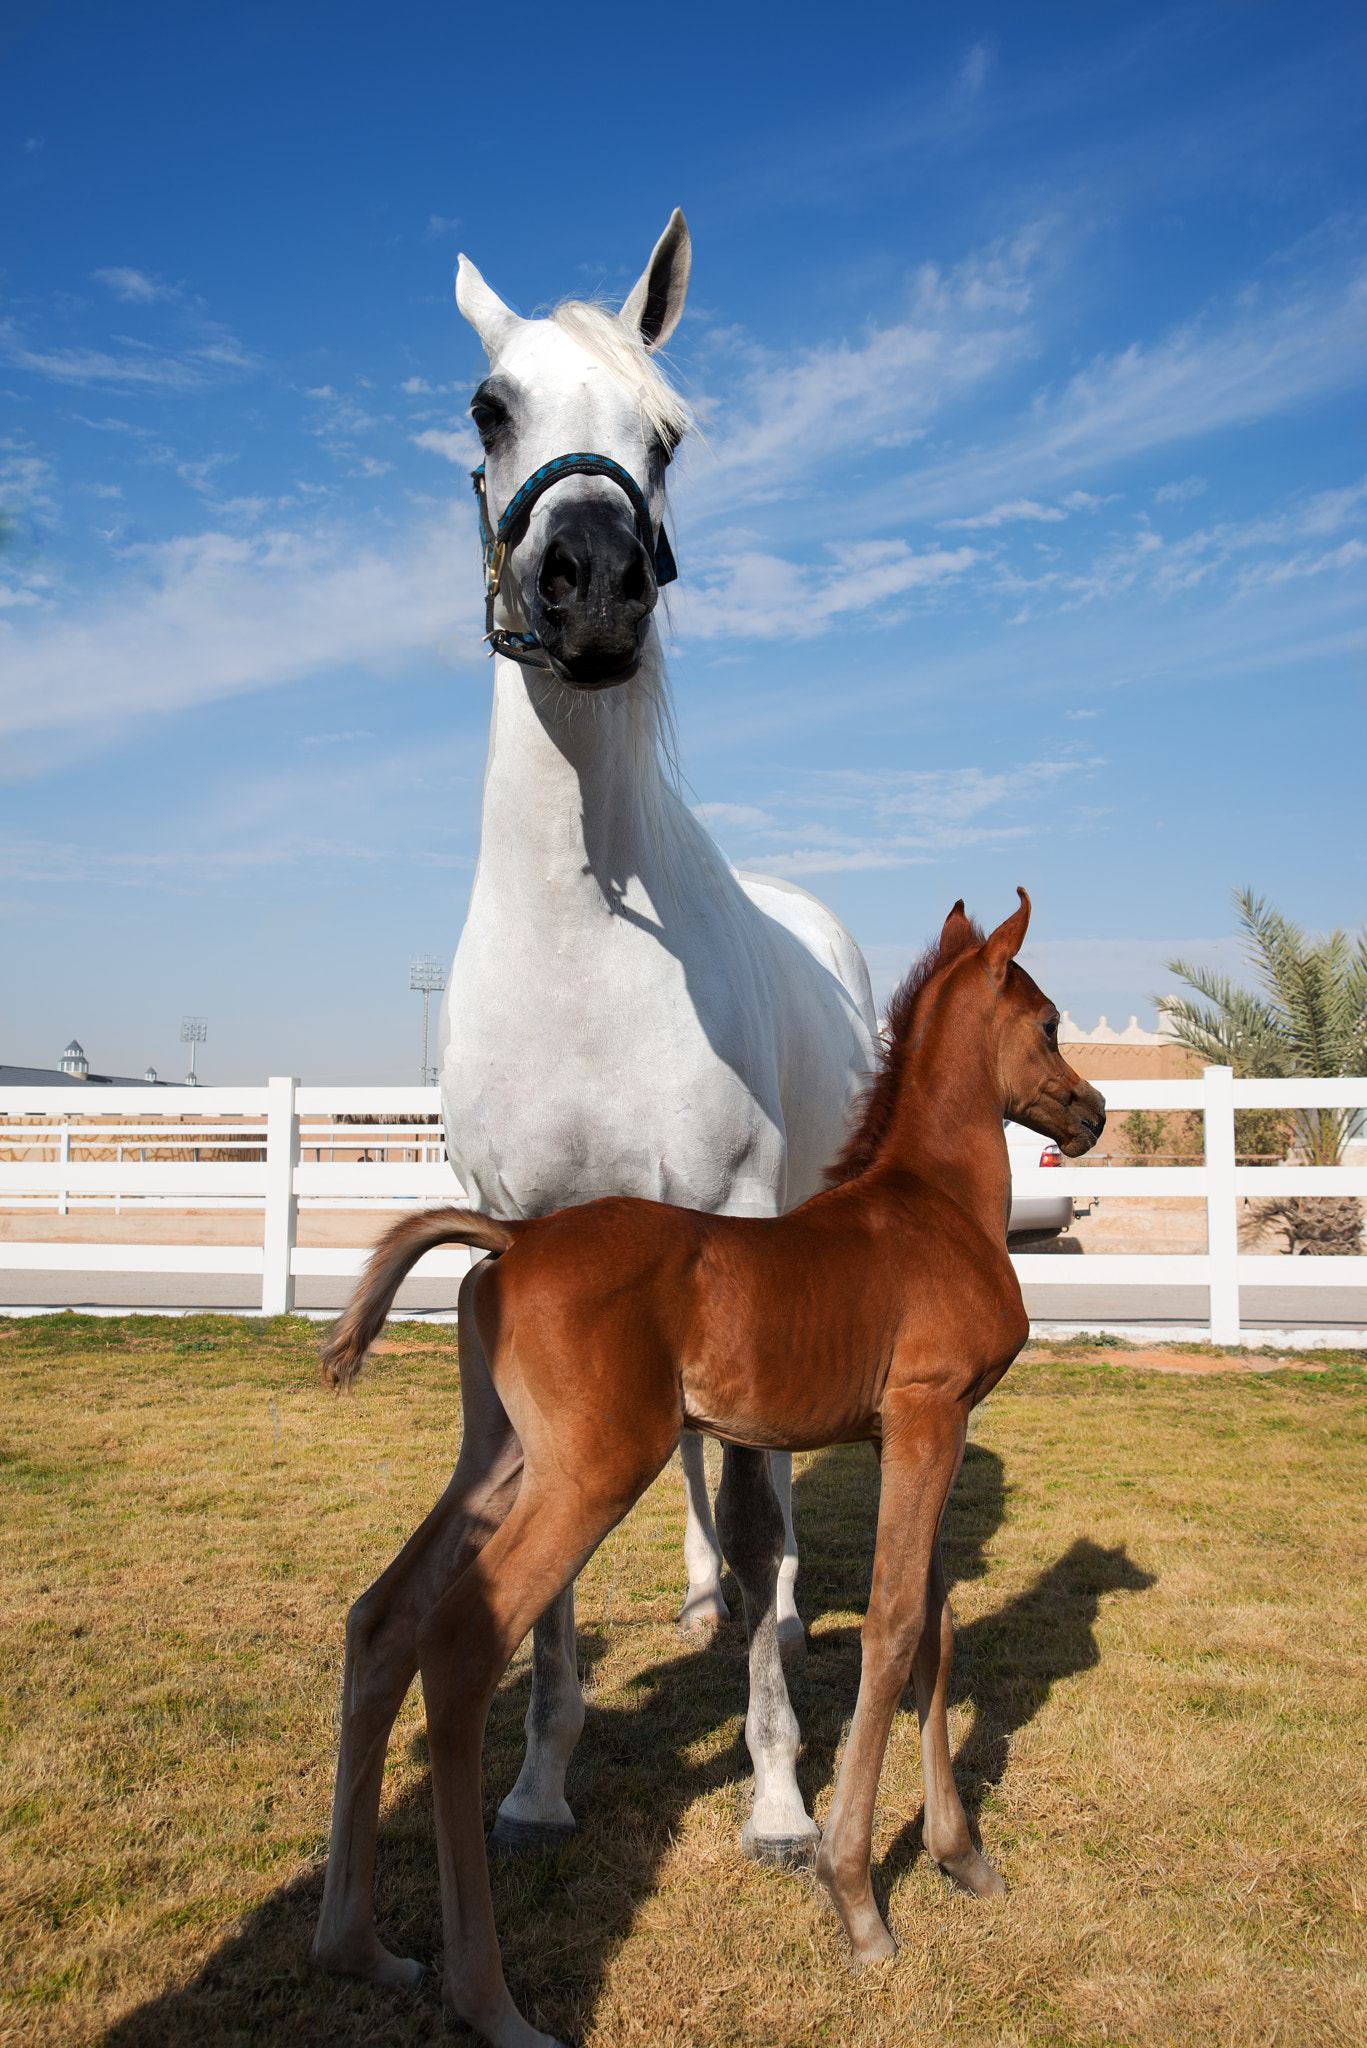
(976, 66)
(762, 596)
(1178, 494)
(789, 417)
(216, 359)
(215, 614)
(438, 225)
(134, 286)
(1016, 509)
(1263, 361)
(869, 821)
(732, 817)
(458, 444)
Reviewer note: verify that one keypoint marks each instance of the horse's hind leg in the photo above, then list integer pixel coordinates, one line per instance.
(536, 1814)
(751, 1524)
(703, 1605)
(948, 1841)
(382, 1657)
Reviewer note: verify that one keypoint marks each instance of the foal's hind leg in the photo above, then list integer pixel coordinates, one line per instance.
(751, 1524)
(948, 1841)
(382, 1657)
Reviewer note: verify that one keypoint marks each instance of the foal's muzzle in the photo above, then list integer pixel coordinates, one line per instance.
(595, 589)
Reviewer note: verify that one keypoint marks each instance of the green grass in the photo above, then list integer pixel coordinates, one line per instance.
(1158, 1716)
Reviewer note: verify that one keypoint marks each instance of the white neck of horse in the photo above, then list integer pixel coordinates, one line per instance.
(567, 792)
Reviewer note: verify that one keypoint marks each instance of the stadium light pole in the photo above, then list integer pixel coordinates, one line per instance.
(193, 1032)
(426, 972)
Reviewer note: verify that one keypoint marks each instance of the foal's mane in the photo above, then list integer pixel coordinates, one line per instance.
(872, 1112)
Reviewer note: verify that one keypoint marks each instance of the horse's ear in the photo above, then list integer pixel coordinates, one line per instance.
(492, 321)
(656, 300)
(951, 938)
(1007, 940)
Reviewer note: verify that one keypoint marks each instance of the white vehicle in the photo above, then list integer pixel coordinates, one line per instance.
(1035, 1215)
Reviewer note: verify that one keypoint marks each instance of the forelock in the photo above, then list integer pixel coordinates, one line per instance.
(624, 356)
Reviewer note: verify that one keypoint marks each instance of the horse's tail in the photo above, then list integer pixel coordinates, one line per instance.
(343, 1351)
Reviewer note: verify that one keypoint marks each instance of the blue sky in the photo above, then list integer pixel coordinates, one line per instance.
(1026, 542)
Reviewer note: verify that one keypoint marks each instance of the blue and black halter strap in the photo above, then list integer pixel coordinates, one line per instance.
(525, 647)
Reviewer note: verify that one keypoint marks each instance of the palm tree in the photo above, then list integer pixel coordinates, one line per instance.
(1309, 1018)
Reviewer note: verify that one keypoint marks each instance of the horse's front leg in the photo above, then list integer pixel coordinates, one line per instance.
(703, 1606)
(779, 1829)
(536, 1814)
(792, 1637)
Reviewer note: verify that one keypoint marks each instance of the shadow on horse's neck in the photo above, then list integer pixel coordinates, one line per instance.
(576, 795)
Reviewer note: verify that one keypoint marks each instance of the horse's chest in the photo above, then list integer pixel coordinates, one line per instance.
(596, 1076)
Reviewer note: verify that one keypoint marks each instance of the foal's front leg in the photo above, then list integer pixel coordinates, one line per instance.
(948, 1841)
(922, 1445)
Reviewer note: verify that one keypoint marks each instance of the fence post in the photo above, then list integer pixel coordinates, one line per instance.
(282, 1204)
(1222, 1215)
(65, 1156)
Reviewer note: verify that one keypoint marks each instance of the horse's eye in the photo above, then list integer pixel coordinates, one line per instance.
(666, 441)
(488, 416)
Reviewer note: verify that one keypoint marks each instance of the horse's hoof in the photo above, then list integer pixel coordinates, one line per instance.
(792, 1643)
(782, 1852)
(701, 1615)
(528, 1837)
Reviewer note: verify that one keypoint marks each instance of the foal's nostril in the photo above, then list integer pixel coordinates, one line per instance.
(559, 578)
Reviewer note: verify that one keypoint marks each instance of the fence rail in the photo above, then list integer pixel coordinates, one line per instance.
(286, 1121)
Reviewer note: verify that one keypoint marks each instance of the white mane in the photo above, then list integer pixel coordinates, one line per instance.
(624, 355)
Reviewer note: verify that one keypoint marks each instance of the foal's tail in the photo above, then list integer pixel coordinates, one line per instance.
(344, 1349)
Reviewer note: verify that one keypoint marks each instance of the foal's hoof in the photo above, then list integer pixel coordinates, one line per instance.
(528, 1837)
(973, 1873)
(782, 1852)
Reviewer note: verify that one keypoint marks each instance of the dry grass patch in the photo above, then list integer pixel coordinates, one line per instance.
(1158, 1717)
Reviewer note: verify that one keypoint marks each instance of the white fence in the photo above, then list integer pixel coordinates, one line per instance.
(289, 1123)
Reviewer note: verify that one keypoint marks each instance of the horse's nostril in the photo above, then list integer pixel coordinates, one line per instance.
(634, 579)
(559, 578)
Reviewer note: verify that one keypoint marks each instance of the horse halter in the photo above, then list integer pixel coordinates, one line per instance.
(525, 647)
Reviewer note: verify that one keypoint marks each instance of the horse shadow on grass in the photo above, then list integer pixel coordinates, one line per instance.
(650, 1752)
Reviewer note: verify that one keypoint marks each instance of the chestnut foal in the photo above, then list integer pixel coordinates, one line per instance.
(881, 1310)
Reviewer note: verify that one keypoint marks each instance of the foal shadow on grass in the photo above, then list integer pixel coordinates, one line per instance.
(673, 1735)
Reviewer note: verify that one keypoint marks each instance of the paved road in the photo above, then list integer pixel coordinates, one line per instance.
(1262, 1308)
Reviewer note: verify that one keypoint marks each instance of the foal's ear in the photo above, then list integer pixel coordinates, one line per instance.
(1007, 940)
(951, 934)
(656, 300)
(492, 321)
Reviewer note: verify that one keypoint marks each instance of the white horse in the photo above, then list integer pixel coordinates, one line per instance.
(625, 1015)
